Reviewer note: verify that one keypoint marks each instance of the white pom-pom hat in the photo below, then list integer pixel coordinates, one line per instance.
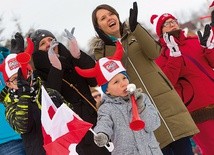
(158, 21)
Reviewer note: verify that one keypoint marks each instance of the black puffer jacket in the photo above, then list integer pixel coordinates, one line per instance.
(54, 79)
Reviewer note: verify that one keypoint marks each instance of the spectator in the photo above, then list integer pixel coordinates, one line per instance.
(22, 99)
(10, 141)
(115, 111)
(140, 50)
(185, 63)
(59, 74)
(96, 95)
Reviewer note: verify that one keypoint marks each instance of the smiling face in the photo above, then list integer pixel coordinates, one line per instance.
(44, 44)
(108, 22)
(117, 86)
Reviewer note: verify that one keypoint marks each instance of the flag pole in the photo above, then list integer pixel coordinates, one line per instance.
(109, 146)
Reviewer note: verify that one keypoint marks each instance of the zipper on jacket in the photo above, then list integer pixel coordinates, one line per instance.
(170, 133)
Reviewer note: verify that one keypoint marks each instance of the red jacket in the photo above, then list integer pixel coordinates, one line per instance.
(194, 86)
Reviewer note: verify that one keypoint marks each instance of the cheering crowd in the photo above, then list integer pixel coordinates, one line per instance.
(170, 112)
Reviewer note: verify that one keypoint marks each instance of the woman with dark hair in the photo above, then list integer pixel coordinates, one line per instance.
(140, 49)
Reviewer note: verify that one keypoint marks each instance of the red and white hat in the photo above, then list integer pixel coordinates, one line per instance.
(105, 68)
(13, 62)
(159, 21)
(10, 66)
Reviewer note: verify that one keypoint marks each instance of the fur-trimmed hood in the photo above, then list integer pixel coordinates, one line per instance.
(95, 42)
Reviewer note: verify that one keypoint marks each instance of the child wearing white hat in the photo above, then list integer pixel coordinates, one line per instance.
(115, 111)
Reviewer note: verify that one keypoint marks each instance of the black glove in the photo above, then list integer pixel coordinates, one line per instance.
(17, 44)
(205, 39)
(23, 85)
(107, 40)
(133, 17)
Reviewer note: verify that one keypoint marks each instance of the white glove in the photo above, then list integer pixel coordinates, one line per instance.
(54, 60)
(73, 46)
(210, 40)
(131, 88)
(172, 45)
(101, 139)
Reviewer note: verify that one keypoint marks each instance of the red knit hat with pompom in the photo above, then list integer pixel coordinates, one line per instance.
(159, 21)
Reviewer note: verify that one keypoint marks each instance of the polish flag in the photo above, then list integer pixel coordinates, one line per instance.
(62, 128)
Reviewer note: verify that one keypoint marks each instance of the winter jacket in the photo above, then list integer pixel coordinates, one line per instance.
(114, 117)
(62, 79)
(140, 50)
(186, 72)
(24, 115)
(6, 132)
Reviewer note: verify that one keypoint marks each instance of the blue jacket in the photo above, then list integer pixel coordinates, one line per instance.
(6, 132)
